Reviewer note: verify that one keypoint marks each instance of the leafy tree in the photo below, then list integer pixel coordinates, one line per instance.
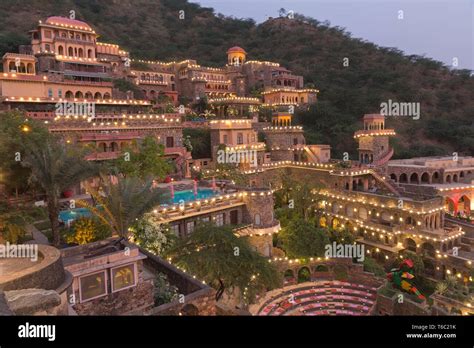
(119, 204)
(152, 235)
(302, 239)
(164, 291)
(124, 85)
(55, 168)
(226, 262)
(15, 132)
(371, 265)
(144, 160)
(200, 142)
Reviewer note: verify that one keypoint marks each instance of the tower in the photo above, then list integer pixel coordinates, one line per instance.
(373, 140)
(236, 56)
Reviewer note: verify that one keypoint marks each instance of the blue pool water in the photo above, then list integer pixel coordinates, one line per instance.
(186, 196)
(73, 214)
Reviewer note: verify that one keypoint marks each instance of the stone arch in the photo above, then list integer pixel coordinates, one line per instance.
(114, 147)
(464, 205)
(414, 178)
(69, 95)
(350, 210)
(97, 95)
(89, 95)
(450, 206)
(363, 213)
(410, 244)
(106, 95)
(425, 178)
(79, 95)
(321, 268)
(289, 274)
(393, 176)
(448, 178)
(102, 147)
(403, 178)
(435, 178)
(323, 221)
(429, 249)
(304, 275)
(257, 219)
(455, 178)
(429, 267)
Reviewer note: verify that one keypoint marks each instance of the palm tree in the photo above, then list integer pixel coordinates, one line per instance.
(55, 168)
(120, 204)
(441, 288)
(207, 114)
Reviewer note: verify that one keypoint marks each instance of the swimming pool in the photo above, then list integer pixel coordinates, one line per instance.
(73, 214)
(188, 195)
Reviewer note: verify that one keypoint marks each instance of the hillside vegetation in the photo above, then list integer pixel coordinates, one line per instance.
(152, 29)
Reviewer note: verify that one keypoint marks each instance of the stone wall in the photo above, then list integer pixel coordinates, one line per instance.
(199, 298)
(136, 299)
(387, 305)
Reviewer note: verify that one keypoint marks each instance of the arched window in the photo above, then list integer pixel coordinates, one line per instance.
(70, 52)
(106, 95)
(257, 220)
(79, 95)
(97, 95)
(89, 53)
(81, 52)
(61, 50)
(69, 95)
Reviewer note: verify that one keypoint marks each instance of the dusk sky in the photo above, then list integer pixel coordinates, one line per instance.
(440, 29)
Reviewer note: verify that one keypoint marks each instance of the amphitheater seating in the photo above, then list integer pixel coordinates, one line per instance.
(322, 298)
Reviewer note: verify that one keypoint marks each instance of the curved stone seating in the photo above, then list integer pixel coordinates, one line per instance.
(322, 298)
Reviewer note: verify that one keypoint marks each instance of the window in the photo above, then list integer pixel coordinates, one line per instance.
(219, 219)
(257, 220)
(205, 219)
(50, 93)
(169, 142)
(47, 34)
(92, 286)
(190, 227)
(175, 229)
(295, 141)
(240, 138)
(123, 277)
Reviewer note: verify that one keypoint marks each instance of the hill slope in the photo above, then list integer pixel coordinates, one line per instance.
(152, 29)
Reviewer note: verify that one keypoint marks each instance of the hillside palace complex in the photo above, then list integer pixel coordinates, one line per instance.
(421, 205)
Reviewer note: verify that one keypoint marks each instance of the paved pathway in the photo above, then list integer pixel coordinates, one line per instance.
(38, 236)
